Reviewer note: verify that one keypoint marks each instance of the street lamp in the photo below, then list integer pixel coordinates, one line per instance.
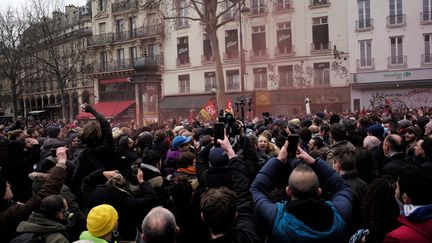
(242, 9)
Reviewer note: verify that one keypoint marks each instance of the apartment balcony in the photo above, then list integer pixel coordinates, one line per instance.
(426, 17)
(207, 59)
(426, 59)
(183, 62)
(258, 11)
(124, 6)
(397, 61)
(287, 6)
(159, 59)
(231, 56)
(101, 39)
(116, 65)
(142, 32)
(258, 54)
(181, 24)
(364, 25)
(319, 3)
(395, 21)
(284, 51)
(367, 64)
(321, 48)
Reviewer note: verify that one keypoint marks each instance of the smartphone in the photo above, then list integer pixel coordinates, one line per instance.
(293, 140)
(219, 131)
(53, 152)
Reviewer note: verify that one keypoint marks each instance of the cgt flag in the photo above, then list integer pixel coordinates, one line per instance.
(209, 111)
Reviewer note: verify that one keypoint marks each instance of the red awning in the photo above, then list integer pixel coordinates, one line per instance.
(113, 80)
(108, 109)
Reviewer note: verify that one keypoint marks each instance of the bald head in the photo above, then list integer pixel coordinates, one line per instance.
(303, 183)
(393, 144)
(159, 226)
(370, 142)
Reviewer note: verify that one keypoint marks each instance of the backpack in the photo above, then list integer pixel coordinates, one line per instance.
(29, 238)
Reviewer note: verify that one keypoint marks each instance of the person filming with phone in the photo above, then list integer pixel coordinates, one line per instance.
(305, 217)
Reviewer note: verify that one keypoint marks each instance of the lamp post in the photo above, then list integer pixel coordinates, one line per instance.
(242, 9)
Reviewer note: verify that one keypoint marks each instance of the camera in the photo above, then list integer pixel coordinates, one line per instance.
(267, 118)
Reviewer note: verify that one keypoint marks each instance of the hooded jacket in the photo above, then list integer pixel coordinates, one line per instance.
(52, 231)
(417, 227)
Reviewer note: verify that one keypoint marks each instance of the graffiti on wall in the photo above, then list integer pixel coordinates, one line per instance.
(340, 70)
(402, 99)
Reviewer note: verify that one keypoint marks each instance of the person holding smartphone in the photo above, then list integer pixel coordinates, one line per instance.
(305, 217)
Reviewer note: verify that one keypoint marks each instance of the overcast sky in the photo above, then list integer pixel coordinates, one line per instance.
(19, 3)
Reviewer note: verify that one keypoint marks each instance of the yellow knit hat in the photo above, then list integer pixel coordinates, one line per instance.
(101, 220)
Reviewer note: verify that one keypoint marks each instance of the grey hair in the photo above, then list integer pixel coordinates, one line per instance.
(159, 226)
(370, 142)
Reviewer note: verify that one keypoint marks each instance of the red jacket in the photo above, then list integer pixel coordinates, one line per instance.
(408, 232)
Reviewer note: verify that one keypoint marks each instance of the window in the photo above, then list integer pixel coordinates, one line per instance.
(151, 50)
(427, 10)
(119, 25)
(396, 46)
(133, 27)
(258, 41)
(318, 2)
(233, 80)
(258, 6)
(207, 51)
(102, 28)
(232, 10)
(231, 44)
(320, 34)
(210, 81)
(428, 48)
(133, 54)
(364, 14)
(285, 76)
(260, 78)
(182, 50)
(283, 5)
(365, 53)
(182, 11)
(102, 5)
(396, 16)
(103, 61)
(321, 74)
(284, 39)
(184, 83)
(120, 57)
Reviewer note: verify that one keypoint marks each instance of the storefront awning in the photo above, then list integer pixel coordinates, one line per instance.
(36, 113)
(108, 109)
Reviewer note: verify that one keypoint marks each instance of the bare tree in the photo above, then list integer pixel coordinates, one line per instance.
(12, 26)
(212, 14)
(47, 43)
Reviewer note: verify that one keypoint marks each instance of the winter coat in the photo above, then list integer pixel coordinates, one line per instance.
(11, 214)
(245, 228)
(85, 235)
(359, 189)
(52, 231)
(17, 168)
(314, 218)
(394, 165)
(170, 163)
(131, 209)
(94, 157)
(415, 228)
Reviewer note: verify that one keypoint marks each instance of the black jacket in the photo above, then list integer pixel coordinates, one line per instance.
(131, 208)
(246, 225)
(394, 166)
(94, 157)
(359, 189)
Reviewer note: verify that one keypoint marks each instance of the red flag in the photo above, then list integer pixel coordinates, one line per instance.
(229, 107)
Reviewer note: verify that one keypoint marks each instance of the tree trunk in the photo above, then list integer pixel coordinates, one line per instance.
(14, 99)
(220, 89)
(63, 100)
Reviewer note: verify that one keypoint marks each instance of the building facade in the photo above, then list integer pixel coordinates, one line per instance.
(289, 56)
(123, 32)
(390, 53)
(39, 92)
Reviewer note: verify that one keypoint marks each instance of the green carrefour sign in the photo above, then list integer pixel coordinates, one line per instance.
(397, 75)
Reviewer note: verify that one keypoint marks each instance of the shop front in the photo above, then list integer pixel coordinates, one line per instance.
(406, 89)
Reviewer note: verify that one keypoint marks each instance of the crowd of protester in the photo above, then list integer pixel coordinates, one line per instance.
(356, 177)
